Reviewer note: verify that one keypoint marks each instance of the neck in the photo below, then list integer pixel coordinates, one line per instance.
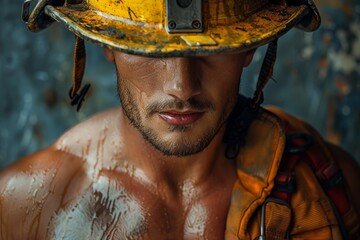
(175, 172)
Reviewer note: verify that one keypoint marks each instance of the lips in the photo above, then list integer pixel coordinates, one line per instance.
(181, 118)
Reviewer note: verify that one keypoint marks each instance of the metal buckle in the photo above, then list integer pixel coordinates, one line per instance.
(184, 16)
(262, 217)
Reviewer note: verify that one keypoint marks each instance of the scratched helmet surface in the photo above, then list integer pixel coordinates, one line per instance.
(160, 28)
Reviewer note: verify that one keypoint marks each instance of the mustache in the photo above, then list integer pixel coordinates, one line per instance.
(192, 104)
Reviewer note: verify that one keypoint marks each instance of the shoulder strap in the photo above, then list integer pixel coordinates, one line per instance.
(302, 145)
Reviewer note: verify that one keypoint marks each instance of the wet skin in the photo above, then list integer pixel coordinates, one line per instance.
(107, 178)
(154, 169)
(178, 104)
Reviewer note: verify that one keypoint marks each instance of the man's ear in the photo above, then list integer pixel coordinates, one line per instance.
(249, 57)
(109, 54)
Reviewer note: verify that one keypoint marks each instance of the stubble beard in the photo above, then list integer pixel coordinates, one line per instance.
(182, 147)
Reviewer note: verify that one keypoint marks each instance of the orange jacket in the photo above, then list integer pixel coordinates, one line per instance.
(309, 215)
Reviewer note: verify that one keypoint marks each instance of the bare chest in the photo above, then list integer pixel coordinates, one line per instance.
(109, 209)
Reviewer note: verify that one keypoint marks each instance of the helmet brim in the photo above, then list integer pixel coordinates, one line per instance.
(265, 25)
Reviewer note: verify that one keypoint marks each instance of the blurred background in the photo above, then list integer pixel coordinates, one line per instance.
(317, 78)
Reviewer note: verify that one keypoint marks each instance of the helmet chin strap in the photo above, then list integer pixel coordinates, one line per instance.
(246, 110)
(77, 98)
(266, 73)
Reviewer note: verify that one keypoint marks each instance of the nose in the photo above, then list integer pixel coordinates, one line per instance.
(183, 78)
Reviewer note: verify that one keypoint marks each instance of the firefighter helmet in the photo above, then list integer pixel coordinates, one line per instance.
(176, 27)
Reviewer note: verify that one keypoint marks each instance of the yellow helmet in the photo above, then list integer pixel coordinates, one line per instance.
(175, 27)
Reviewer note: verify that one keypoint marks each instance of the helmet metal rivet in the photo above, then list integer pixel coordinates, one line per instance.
(172, 24)
(184, 3)
(196, 24)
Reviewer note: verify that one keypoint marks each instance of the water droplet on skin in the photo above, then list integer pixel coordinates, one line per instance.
(45, 195)
(35, 193)
(39, 204)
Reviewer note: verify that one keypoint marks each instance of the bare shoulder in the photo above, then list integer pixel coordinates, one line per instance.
(33, 188)
(98, 140)
(69, 155)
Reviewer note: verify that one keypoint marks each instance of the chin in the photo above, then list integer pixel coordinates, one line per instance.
(181, 143)
(179, 151)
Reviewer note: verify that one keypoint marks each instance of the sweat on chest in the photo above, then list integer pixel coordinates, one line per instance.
(109, 210)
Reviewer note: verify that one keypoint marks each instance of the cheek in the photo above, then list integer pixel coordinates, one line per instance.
(137, 94)
(224, 90)
(223, 85)
(231, 82)
(138, 90)
(145, 80)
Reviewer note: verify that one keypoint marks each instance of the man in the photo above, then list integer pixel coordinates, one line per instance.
(185, 157)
